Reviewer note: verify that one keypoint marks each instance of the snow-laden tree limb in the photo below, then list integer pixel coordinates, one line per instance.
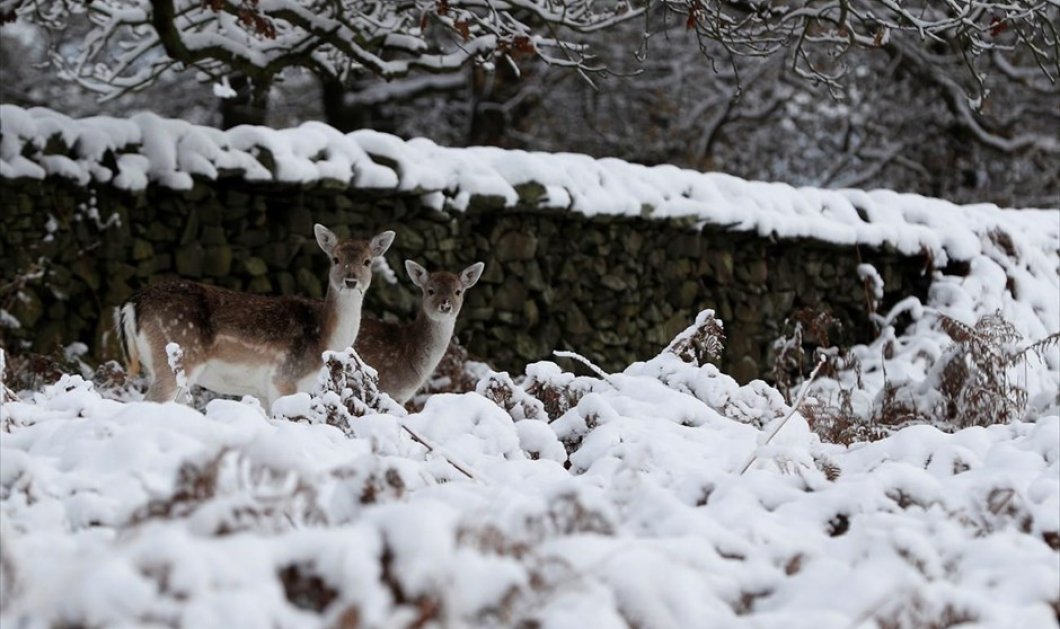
(133, 42)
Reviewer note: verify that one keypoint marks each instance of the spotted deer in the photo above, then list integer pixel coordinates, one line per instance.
(406, 355)
(242, 344)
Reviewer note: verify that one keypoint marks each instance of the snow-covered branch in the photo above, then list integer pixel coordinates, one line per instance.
(133, 42)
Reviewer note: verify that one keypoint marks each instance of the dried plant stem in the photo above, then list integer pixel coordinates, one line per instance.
(585, 361)
(460, 467)
(794, 408)
(5, 393)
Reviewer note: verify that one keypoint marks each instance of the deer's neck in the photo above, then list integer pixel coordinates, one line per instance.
(341, 320)
(433, 337)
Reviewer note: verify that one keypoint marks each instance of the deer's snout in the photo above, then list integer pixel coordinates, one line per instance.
(446, 306)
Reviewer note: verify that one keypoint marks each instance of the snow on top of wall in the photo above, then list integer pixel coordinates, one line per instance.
(149, 149)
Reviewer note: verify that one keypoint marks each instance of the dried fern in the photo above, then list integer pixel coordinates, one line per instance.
(975, 381)
(702, 342)
(348, 388)
(1039, 348)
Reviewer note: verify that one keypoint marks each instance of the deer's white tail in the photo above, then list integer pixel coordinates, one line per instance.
(125, 322)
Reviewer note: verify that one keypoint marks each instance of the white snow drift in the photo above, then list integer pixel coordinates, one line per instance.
(137, 514)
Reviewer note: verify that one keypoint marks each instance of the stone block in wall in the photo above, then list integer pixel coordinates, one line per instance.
(191, 227)
(515, 245)
(408, 238)
(277, 254)
(300, 220)
(686, 245)
(614, 281)
(217, 261)
(259, 237)
(285, 282)
(84, 268)
(531, 313)
(213, 235)
(510, 296)
(261, 285)
(142, 249)
(576, 323)
(721, 262)
(117, 292)
(28, 309)
(157, 232)
(309, 283)
(254, 266)
(755, 271)
(634, 241)
(486, 203)
(190, 260)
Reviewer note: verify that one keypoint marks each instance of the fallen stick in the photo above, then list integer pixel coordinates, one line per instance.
(794, 407)
(460, 467)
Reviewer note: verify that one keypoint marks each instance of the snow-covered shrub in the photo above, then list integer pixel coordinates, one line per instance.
(556, 390)
(143, 513)
(790, 360)
(702, 342)
(976, 375)
(499, 388)
(347, 388)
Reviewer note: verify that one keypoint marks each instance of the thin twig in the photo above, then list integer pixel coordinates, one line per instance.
(463, 469)
(794, 407)
(583, 360)
(6, 394)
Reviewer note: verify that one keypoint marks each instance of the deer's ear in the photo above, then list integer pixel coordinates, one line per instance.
(325, 238)
(417, 273)
(470, 275)
(381, 242)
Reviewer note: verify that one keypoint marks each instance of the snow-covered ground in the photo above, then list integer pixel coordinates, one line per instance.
(594, 502)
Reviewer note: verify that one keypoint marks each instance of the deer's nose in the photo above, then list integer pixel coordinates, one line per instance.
(351, 282)
(446, 306)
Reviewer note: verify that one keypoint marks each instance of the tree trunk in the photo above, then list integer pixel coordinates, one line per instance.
(346, 117)
(491, 116)
(249, 106)
(336, 113)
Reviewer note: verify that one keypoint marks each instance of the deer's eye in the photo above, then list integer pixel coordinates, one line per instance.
(458, 292)
(334, 260)
(430, 291)
(368, 262)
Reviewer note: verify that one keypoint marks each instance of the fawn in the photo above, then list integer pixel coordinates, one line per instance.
(406, 355)
(238, 343)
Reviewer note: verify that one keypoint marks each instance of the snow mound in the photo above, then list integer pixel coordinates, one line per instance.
(613, 501)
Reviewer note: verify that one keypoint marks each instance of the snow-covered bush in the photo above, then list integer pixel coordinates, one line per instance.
(547, 500)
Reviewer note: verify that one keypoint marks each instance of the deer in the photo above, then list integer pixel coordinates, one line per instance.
(237, 343)
(406, 355)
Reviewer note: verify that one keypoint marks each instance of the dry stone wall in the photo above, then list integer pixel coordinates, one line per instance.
(614, 289)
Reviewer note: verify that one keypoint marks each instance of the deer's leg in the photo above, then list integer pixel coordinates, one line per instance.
(280, 387)
(163, 387)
